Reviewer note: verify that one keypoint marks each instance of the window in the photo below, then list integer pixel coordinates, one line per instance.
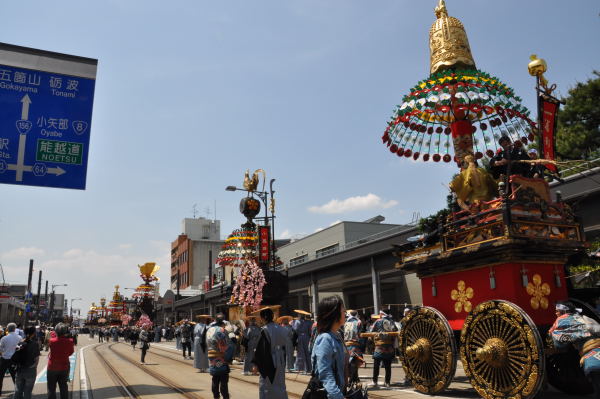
(319, 253)
(298, 260)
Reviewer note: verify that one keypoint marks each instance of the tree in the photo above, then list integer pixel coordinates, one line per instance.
(578, 134)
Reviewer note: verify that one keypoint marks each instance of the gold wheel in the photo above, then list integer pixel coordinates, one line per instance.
(427, 350)
(501, 351)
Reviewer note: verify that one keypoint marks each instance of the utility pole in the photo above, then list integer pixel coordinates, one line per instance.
(28, 295)
(46, 296)
(38, 300)
(30, 276)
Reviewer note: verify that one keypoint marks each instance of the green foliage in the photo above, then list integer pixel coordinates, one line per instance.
(586, 265)
(578, 134)
(432, 222)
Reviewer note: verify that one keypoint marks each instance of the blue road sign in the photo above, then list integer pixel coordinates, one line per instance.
(45, 122)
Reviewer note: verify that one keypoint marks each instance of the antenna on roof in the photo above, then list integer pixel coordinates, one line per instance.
(416, 216)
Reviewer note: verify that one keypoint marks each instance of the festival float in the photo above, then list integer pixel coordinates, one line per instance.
(92, 314)
(102, 312)
(246, 258)
(116, 307)
(493, 270)
(144, 293)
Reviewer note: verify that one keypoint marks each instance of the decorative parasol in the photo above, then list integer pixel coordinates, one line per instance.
(458, 110)
(239, 246)
(143, 290)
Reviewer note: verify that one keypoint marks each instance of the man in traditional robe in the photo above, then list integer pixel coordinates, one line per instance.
(352, 329)
(220, 354)
(284, 321)
(384, 347)
(269, 358)
(582, 333)
(186, 338)
(302, 327)
(251, 335)
(200, 348)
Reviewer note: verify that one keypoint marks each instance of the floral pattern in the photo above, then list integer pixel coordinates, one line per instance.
(538, 291)
(462, 297)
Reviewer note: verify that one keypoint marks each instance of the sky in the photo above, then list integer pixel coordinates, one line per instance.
(190, 94)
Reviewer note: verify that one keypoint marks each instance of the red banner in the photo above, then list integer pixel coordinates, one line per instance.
(264, 243)
(548, 113)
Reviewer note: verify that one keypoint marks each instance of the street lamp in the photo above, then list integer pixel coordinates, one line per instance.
(71, 308)
(52, 299)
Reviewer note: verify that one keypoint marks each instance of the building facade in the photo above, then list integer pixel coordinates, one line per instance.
(333, 239)
(193, 254)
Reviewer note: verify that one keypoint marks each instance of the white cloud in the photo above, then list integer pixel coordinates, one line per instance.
(285, 234)
(334, 223)
(73, 253)
(23, 253)
(125, 246)
(358, 203)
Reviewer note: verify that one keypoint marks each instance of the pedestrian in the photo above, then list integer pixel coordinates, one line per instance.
(144, 343)
(220, 354)
(284, 321)
(384, 347)
(133, 338)
(269, 358)
(61, 347)
(74, 335)
(47, 338)
(157, 330)
(186, 338)
(329, 354)
(250, 337)
(200, 349)
(178, 337)
(352, 329)
(20, 331)
(26, 360)
(302, 327)
(8, 346)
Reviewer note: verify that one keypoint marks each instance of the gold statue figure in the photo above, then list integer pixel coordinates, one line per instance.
(250, 183)
(473, 185)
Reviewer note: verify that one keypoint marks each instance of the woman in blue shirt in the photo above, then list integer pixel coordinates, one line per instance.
(329, 353)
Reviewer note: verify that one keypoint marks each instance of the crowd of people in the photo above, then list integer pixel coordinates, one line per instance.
(20, 351)
(331, 349)
(326, 347)
(270, 347)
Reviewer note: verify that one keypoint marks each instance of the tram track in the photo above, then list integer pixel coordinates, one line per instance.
(231, 375)
(372, 394)
(124, 385)
(126, 390)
